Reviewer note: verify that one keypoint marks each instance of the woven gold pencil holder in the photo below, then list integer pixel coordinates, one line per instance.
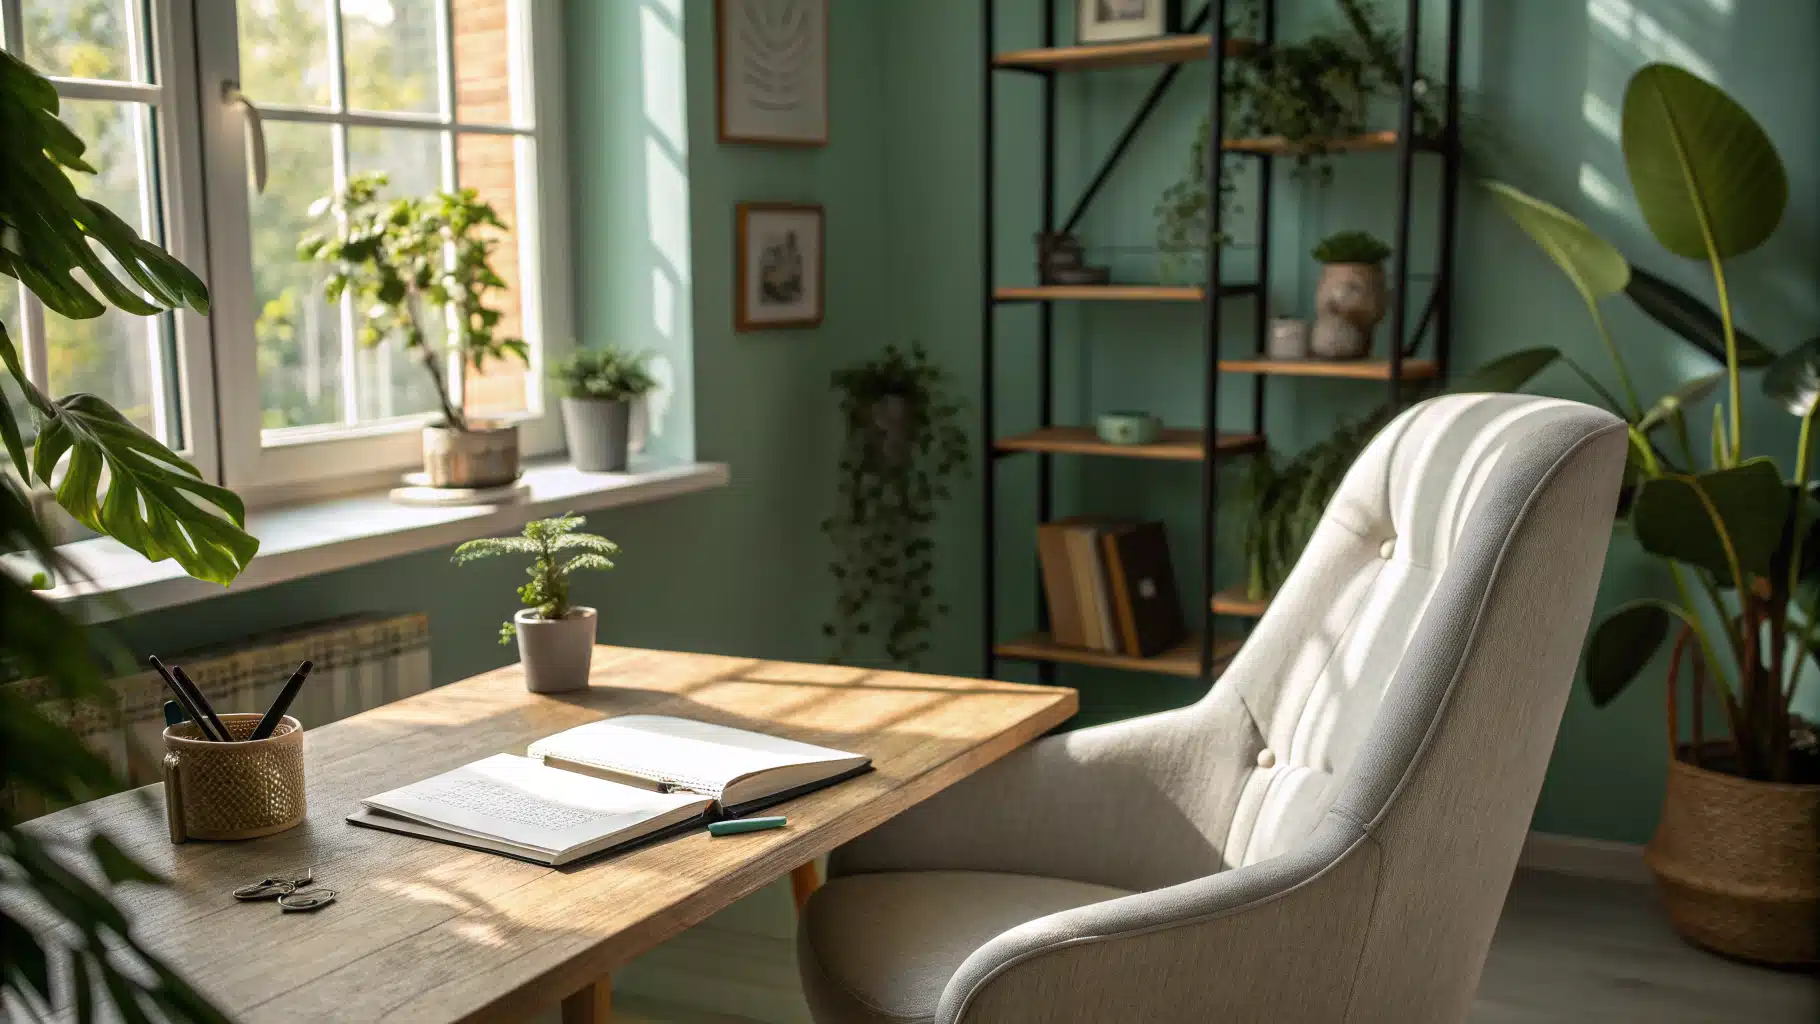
(239, 790)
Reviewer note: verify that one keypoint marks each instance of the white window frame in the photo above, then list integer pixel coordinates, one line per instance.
(171, 93)
(354, 458)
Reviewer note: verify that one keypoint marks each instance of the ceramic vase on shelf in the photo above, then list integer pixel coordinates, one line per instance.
(1288, 338)
(1349, 303)
(556, 653)
(598, 431)
(484, 455)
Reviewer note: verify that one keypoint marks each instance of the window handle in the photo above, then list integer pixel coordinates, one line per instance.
(255, 131)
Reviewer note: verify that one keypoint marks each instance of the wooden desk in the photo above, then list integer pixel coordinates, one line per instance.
(426, 931)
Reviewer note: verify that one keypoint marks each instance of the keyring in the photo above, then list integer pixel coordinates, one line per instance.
(306, 900)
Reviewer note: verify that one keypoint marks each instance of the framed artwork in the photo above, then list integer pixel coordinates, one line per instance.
(778, 249)
(771, 61)
(1119, 21)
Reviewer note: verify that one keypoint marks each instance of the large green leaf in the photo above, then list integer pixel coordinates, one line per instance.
(155, 503)
(1705, 174)
(1678, 400)
(1692, 319)
(1793, 380)
(1507, 372)
(1673, 519)
(1623, 644)
(1594, 265)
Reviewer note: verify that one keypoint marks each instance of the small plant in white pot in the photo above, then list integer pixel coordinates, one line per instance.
(555, 637)
(598, 387)
(405, 260)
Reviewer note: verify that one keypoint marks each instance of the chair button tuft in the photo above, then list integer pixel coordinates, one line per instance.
(1388, 548)
(1267, 758)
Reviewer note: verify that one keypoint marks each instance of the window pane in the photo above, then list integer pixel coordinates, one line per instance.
(488, 164)
(284, 52)
(78, 38)
(393, 61)
(298, 332)
(411, 159)
(9, 390)
(110, 356)
(483, 61)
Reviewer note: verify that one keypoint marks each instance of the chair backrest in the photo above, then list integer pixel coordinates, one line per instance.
(1411, 673)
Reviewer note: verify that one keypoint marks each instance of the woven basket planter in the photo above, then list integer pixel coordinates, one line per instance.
(1738, 864)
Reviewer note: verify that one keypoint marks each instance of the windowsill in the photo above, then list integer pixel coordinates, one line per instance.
(325, 536)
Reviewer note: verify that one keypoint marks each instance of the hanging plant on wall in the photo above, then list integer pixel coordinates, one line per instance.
(904, 444)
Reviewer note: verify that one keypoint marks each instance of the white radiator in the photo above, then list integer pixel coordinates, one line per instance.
(361, 662)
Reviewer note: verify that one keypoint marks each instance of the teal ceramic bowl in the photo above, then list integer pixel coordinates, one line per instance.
(1129, 427)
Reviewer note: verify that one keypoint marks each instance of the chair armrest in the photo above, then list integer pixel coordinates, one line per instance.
(1130, 804)
(1275, 940)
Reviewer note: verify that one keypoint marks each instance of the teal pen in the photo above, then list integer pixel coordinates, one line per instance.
(738, 825)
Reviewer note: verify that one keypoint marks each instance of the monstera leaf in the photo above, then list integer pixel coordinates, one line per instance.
(1623, 644)
(1706, 176)
(1793, 380)
(1692, 319)
(1697, 519)
(154, 502)
(1596, 268)
(1507, 372)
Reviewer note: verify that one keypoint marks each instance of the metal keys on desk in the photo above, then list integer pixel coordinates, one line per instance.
(295, 894)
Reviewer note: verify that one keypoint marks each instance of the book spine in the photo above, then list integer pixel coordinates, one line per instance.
(1058, 585)
(1081, 567)
(1119, 583)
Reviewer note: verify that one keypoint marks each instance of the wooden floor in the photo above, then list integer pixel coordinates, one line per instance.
(1567, 949)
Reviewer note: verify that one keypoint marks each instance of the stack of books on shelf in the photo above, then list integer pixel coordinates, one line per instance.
(1109, 585)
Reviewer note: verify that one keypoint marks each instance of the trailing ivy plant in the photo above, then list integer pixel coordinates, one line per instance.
(557, 551)
(903, 445)
(404, 257)
(1309, 92)
(74, 940)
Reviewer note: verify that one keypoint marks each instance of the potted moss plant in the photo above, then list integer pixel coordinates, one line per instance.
(1736, 853)
(555, 636)
(1349, 301)
(598, 387)
(402, 258)
(74, 936)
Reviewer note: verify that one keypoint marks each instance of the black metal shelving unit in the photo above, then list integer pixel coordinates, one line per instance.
(1205, 37)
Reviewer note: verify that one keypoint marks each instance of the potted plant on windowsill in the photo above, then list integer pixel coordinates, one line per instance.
(555, 637)
(598, 387)
(1736, 853)
(400, 259)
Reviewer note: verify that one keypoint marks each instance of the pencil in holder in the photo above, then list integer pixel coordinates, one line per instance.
(238, 790)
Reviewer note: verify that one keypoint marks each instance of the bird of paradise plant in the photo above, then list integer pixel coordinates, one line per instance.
(1741, 539)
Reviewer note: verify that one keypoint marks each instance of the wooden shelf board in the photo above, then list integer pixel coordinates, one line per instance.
(1232, 601)
(1178, 49)
(1182, 444)
(1182, 660)
(1352, 369)
(1277, 145)
(1111, 293)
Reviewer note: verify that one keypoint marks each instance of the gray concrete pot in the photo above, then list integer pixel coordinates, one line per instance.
(1349, 301)
(482, 456)
(597, 430)
(556, 653)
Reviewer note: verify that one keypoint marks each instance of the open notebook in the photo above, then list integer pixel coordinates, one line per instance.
(606, 785)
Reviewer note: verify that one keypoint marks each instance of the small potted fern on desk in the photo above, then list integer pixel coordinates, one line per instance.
(555, 637)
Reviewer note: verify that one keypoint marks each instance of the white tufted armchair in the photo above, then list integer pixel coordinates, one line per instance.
(1329, 834)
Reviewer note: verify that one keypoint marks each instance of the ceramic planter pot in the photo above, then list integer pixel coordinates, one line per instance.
(1288, 338)
(485, 455)
(1349, 302)
(1737, 862)
(556, 653)
(597, 430)
(889, 433)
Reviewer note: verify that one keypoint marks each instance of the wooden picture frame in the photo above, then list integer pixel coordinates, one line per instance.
(1124, 21)
(771, 72)
(780, 266)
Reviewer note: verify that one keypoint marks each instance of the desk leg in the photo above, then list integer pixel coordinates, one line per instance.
(803, 882)
(592, 1005)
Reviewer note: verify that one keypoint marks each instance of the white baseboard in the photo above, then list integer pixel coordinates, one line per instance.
(1587, 858)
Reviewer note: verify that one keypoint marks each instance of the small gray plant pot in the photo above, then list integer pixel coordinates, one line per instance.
(597, 430)
(556, 653)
